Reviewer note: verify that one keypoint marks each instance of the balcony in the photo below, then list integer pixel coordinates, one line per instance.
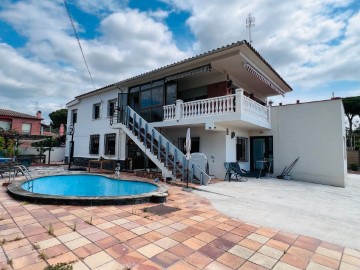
(234, 109)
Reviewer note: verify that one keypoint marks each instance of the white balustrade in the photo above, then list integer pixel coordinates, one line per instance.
(218, 106)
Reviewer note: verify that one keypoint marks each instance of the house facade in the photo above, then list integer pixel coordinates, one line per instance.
(23, 123)
(223, 97)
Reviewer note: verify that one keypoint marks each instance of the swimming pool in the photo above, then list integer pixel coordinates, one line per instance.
(86, 189)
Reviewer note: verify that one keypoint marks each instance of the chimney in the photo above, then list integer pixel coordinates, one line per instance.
(297, 101)
(38, 114)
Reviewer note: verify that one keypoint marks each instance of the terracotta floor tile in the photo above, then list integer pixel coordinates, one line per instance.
(258, 238)
(248, 243)
(107, 242)
(87, 250)
(194, 243)
(124, 236)
(15, 244)
(241, 252)
(331, 246)
(181, 250)
(166, 231)
(211, 251)
(216, 231)
(117, 250)
(263, 260)
(315, 266)
(240, 232)
(351, 260)
(97, 236)
(166, 243)
(154, 225)
(79, 265)
(150, 250)
(295, 260)
(55, 250)
(69, 237)
(198, 260)
(283, 238)
(182, 265)
(26, 260)
(165, 259)
(231, 260)
(97, 259)
(136, 242)
(153, 236)
(65, 257)
(88, 230)
(191, 231)
(271, 252)
(251, 266)
(131, 259)
(206, 237)
(114, 230)
(346, 266)
(130, 225)
(352, 252)
(19, 252)
(179, 236)
(232, 237)
(307, 243)
(268, 232)
(329, 253)
(76, 243)
(48, 243)
(284, 266)
(277, 244)
(326, 261)
(35, 266)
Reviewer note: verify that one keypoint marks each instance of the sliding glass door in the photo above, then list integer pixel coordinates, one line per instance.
(260, 148)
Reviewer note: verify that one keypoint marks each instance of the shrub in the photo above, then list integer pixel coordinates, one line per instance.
(354, 167)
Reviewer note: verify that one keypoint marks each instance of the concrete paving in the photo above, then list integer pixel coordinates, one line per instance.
(329, 213)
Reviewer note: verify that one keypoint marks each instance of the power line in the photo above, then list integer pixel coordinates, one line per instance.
(78, 40)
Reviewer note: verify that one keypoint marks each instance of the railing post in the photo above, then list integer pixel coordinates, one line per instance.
(139, 128)
(152, 140)
(159, 147)
(178, 110)
(166, 154)
(174, 169)
(239, 93)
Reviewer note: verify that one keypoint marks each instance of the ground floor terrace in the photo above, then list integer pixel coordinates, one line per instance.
(197, 236)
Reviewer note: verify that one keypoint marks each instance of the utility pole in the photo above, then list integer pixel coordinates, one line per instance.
(250, 22)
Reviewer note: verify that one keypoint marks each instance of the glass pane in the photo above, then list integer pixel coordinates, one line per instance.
(157, 96)
(171, 94)
(145, 99)
(145, 86)
(157, 114)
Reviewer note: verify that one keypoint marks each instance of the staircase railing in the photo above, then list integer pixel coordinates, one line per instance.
(165, 151)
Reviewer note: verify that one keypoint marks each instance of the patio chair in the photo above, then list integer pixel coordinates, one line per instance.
(237, 173)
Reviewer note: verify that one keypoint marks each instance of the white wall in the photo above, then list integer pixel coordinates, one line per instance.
(57, 155)
(87, 126)
(314, 132)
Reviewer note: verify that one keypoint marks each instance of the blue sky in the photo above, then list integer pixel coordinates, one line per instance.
(314, 45)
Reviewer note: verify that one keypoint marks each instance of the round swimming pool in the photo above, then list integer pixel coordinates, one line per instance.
(86, 189)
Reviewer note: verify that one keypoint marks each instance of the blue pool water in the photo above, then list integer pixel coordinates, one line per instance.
(86, 185)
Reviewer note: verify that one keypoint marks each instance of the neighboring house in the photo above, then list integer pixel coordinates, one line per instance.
(23, 123)
(223, 96)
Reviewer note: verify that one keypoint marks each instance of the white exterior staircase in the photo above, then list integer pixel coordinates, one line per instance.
(168, 158)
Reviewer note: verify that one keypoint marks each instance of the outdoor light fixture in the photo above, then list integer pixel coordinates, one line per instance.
(232, 134)
(227, 131)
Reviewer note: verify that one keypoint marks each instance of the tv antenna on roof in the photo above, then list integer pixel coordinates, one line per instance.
(250, 22)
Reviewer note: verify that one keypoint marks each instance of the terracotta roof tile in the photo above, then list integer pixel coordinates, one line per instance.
(10, 113)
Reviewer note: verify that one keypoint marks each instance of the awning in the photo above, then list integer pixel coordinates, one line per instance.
(189, 73)
(262, 78)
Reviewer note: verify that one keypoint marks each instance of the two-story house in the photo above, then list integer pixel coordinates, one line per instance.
(23, 123)
(223, 97)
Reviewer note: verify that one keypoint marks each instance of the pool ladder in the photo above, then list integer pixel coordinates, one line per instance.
(19, 168)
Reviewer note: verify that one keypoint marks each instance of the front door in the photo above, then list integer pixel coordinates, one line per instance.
(261, 147)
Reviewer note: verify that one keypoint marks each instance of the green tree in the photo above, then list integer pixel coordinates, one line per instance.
(352, 109)
(58, 117)
(44, 145)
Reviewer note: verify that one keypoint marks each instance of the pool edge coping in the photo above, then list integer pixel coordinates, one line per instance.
(159, 196)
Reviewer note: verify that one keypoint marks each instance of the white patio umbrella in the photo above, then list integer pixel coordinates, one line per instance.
(187, 149)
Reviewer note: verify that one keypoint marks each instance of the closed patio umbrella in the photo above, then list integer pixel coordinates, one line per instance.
(187, 149)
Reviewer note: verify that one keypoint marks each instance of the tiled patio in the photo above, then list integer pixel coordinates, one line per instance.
(129, 237)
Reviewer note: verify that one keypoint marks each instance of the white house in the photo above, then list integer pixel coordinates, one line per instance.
(222, 95)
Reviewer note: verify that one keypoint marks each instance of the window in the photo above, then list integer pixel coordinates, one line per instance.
(111, 107)
(5, 125)
(242, 149)
(195, 144)
(110, 140)
(26, 128)
(73, 116)
(96, 110)
(94, 144)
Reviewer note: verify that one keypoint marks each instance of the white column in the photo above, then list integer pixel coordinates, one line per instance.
(122, 145)
(239, 93)
(178, 112)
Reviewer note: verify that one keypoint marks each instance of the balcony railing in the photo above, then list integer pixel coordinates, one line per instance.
(236, 103)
